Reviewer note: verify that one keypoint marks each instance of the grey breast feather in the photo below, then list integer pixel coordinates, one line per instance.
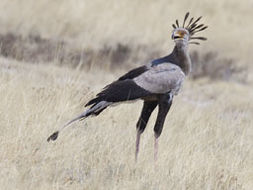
(161, 79)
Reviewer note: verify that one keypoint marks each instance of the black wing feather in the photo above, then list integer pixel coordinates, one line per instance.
(134, 73)
(118, 91)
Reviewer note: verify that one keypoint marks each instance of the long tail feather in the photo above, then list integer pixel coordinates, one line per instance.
(94, 110)
(54, 136)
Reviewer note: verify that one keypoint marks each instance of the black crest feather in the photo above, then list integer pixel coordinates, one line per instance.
(193, 27)
(185, 18)
(177, 23)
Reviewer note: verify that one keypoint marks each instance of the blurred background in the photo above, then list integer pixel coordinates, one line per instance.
(121, 34)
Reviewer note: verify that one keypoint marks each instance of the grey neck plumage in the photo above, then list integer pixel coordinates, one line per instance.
(179, 57)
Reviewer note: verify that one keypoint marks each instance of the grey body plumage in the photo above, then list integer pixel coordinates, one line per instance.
(156, 83)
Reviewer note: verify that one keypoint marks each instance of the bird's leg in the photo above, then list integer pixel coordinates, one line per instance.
(156, 148)
(164, 103)
(148, 108)
(137, 144)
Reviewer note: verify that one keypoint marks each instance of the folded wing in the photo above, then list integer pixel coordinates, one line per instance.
(161, 79)
(140, 83)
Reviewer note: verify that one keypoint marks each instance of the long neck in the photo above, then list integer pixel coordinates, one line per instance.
(181, 57)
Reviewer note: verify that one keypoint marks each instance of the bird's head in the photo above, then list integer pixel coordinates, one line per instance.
(180, 34)
(185, 33)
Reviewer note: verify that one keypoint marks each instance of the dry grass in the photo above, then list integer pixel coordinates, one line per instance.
(211, 148)
(207, 139)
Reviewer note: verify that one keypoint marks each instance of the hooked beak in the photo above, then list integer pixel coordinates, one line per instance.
(177, 36)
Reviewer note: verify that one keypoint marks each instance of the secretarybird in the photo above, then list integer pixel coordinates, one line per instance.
(155, 83)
